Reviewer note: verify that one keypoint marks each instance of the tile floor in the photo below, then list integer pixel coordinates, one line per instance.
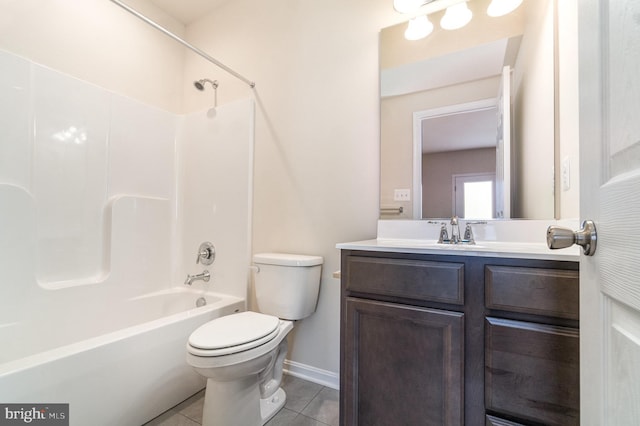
(308, 404)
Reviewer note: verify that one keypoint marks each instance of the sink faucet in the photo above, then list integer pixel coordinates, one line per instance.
(205, 276)
(455, 230)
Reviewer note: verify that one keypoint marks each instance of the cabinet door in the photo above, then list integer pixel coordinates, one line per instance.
(403, 365)
(532, 372)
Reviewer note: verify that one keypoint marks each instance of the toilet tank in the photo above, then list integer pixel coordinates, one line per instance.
(287, 285)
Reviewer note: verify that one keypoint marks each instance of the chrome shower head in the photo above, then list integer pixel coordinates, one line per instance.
(200, 83)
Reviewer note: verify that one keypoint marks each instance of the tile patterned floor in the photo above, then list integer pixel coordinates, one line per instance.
(308, 404)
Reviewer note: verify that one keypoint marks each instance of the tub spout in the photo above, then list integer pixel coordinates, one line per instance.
(205, 276)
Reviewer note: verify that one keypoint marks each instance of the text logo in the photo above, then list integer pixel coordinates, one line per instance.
(34, 414)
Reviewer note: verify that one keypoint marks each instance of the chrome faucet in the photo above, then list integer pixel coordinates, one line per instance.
(205, 276)
(455, 231)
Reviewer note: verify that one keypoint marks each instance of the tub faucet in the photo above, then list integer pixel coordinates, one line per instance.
(205, 276)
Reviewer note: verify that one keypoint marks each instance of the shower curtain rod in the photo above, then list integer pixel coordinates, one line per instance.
(184, 43)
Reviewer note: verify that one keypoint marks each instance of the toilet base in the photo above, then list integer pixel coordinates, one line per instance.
(238, 402)
(269, 407)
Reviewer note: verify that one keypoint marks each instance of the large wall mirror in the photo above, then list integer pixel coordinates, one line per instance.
(468, 117)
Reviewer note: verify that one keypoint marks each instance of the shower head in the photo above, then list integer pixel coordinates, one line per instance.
(200, 83)
(200, 86)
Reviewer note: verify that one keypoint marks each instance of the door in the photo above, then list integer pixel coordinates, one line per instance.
(609, 59)
(473, 195)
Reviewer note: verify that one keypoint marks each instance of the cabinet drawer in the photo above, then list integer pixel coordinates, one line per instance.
(406, 278)
(532, 371)
(548, 292)
(495, 421)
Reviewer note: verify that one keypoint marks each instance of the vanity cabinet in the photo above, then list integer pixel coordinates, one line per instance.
(532, 345)
(432, 339)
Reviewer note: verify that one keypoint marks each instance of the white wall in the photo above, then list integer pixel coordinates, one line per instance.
(215, 195)
(90, 214)
(88, 176)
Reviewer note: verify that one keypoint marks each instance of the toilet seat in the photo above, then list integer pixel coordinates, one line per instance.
(233, 333)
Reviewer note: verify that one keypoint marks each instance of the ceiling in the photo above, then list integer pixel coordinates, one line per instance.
(459, 131)
(188, 11)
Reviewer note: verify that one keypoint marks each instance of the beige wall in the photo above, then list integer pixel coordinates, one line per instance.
(396, 132)
(100, 43)
(568, 149)
(437, 172)
(315, 65)
(533, 88)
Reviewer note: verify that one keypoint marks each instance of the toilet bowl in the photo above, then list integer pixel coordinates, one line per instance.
(242, 354)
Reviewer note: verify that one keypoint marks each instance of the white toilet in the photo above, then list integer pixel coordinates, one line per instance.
(242, 354)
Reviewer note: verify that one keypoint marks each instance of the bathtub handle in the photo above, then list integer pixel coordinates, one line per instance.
(206, 253)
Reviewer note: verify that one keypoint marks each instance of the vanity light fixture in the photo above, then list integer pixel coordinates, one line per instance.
(502, 7)
(409, 6)
(418, 28)
(456, 16)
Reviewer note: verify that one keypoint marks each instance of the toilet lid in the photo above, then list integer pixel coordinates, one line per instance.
(241, 329)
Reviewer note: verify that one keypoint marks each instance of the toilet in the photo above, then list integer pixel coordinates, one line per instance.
(242, 354)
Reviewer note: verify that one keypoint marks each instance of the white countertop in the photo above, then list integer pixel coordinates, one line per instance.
(520, 250)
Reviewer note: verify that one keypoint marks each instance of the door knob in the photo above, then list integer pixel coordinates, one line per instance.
(558, 237)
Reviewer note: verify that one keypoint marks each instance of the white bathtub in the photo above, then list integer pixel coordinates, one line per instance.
(124, 376)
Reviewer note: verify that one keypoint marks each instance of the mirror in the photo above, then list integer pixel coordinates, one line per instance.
(470, 108)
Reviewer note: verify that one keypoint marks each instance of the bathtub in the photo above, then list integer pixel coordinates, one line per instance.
(123, 376)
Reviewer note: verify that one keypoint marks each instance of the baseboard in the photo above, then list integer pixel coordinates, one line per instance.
(312, 374)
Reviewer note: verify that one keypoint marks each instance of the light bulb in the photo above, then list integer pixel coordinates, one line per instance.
(419, 27)
(456, 16)
(407, 6)
(502, 7)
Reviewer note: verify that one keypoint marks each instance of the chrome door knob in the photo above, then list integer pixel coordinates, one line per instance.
(586, 237)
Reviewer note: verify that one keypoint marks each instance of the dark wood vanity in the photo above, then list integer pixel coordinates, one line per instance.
(436, 339)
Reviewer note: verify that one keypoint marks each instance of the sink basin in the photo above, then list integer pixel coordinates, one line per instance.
(430, 244)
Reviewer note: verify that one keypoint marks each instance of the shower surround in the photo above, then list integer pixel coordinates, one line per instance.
(104, 202)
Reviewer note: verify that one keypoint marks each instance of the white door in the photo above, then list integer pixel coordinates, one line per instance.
(609, 55)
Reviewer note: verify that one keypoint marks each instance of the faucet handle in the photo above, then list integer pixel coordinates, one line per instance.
(206, 253)
(468, 234)
(468, 231)
(444, 235)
